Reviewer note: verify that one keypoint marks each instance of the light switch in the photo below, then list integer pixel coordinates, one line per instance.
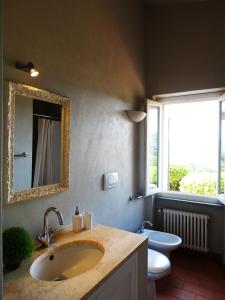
(110, 180)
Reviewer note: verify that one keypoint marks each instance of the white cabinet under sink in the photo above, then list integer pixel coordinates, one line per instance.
(121, 285)
(128, 282)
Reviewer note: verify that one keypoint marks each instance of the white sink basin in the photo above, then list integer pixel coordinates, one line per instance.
(67, 261)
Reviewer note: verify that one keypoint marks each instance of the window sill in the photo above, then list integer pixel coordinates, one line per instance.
(193, 198)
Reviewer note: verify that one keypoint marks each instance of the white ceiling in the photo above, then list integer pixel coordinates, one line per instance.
(171, 1)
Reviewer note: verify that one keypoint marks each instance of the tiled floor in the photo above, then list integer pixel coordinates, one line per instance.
(194, 277)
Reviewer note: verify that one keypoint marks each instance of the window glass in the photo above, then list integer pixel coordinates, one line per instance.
(222, 155)
(192, 145)
(154, 146)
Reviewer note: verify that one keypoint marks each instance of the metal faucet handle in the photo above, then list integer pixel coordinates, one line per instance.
(141, 229)
(142, 226)
(51, 232)
(43, 239)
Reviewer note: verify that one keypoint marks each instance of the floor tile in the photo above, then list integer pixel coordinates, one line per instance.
(201, 298)
(194, 277)
(214, 284)
(166, 297)
(181, 294)
(219, 296)
(199, 290)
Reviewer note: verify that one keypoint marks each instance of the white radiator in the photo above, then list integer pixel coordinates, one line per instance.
(191, 227)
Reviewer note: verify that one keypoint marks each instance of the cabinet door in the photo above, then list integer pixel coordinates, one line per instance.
(122, 285)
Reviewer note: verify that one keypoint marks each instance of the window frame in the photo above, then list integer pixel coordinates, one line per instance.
(217, 94)
(148, 190)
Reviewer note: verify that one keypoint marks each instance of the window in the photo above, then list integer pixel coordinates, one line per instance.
(222, 147)
(185, 149)
(153, 145)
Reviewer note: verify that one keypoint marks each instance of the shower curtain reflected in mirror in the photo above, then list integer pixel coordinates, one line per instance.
(47, 168)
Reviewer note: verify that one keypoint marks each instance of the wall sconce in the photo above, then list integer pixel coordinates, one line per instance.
(30, 68)
(136, 115)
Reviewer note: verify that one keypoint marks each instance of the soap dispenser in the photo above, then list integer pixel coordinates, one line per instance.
(77, 221)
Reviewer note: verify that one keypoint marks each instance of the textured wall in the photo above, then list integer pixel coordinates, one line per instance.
(92, 52)
(185, 47)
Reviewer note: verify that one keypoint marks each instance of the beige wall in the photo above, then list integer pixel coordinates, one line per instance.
(185, 47)
(92, 52)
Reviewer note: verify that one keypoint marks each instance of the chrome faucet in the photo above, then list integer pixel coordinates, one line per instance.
(45, 237)
(142, 226)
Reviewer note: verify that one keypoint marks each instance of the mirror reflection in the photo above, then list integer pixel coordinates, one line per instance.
(37, 143)
(37, 128)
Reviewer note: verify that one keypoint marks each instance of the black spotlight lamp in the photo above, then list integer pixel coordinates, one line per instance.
(29, 68)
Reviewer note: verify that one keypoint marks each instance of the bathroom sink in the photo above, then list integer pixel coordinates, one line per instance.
(67, 261)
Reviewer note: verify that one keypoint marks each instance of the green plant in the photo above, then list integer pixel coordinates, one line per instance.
(176, 173)
(17, 245)
(199, 183)
(222, 183)
(153, 174)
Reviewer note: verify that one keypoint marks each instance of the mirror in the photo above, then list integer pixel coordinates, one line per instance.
(37, 148)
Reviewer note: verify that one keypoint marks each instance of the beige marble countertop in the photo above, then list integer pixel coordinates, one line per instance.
(118, 245)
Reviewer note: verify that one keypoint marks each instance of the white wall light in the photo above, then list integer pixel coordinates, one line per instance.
(136, 115)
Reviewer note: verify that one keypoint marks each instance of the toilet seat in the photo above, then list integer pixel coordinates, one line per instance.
(157, 262)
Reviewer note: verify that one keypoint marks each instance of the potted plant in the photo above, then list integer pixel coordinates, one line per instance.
(17, 245)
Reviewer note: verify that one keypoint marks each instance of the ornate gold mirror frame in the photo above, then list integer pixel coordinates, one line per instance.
(11, 90)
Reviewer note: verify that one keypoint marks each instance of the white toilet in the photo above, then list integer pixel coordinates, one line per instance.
(158, 267)
(160, 245)
(162, 241)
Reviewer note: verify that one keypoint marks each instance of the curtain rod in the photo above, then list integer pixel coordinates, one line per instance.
(48, 117)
